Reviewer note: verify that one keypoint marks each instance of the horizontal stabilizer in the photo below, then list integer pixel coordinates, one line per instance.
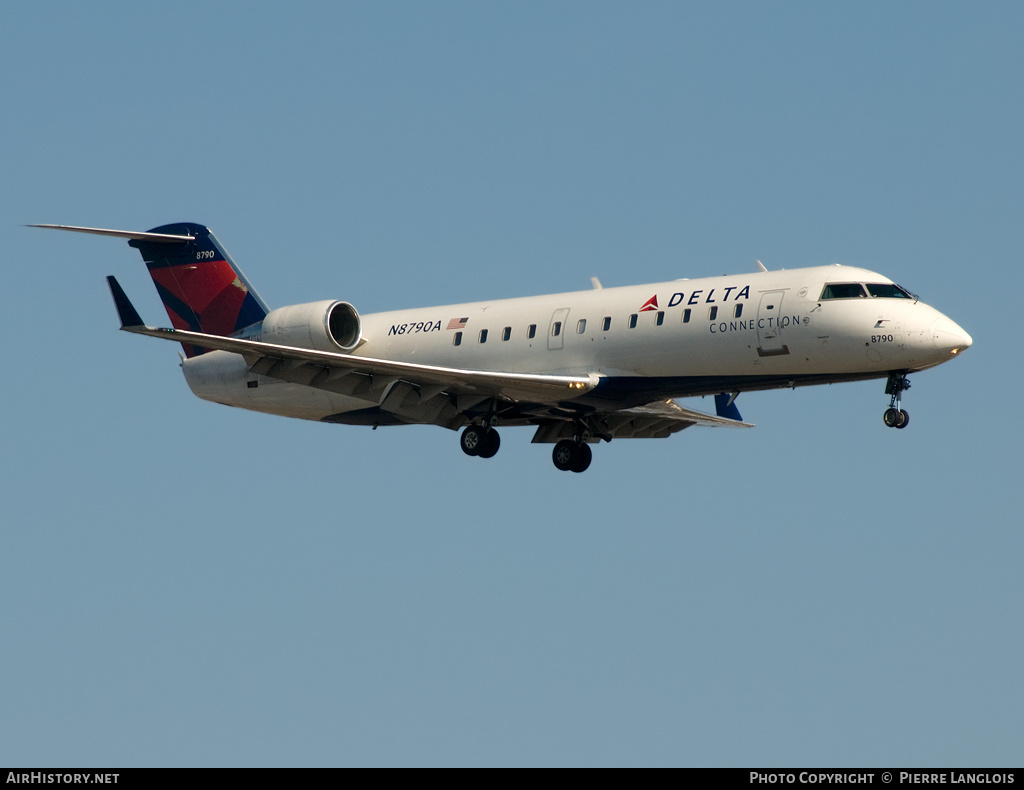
(164, 238)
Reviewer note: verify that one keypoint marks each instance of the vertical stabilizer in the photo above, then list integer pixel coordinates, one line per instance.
(201, 287)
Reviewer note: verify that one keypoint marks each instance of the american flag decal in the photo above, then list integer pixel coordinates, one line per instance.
(457, 323)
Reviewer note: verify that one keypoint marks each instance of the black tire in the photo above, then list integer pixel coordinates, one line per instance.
(904, 420)
(891, 418)
(491, 444)
(473, 440)
(564, 454)
(584, 456)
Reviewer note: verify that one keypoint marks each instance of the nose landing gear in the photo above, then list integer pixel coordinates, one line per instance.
(894, 416)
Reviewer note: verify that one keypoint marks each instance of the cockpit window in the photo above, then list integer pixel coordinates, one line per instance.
(887, 291)
(843, 291)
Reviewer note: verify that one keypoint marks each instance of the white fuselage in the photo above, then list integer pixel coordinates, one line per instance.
(672, 339)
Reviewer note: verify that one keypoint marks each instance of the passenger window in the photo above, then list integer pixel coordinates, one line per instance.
(457, 340)
(660, 318)
(483, 335)
(686, 315)
(713, 313)
(607, 323)
(842, 291)
(632, 321)
(506, 333)
(581, 326)
(532, 331)
(738, 311)
(556, 329)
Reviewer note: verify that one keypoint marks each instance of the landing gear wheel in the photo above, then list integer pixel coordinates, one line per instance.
(583, 458)
(571, 456)
(894, 416)
(480, 441)
(491, 444)
(564, 454)
(473, 440)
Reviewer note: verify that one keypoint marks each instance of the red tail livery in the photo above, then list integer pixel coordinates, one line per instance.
(201, 287)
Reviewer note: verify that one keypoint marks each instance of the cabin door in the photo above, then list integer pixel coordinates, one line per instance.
(769, 328)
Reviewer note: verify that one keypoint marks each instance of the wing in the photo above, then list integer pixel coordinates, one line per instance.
(437, 394)
(369, 378)
(654, 421)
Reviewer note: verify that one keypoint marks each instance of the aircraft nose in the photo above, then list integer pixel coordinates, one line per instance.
(949, 337)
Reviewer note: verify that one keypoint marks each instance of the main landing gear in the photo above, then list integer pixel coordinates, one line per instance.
(894, 416)
(571, 455)
(574, 455)
(480, 440)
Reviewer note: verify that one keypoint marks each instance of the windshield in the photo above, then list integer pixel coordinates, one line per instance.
(843, 291)
(856, 291)
(888, 291)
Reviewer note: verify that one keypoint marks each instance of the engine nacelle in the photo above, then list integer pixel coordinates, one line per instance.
(323, 326)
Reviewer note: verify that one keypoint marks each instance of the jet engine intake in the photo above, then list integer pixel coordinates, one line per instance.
(322, 326)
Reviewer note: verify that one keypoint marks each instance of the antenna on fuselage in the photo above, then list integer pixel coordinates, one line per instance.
(760, 266)
(596, 283)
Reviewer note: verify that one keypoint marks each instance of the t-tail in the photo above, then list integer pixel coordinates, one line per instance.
(202, 289)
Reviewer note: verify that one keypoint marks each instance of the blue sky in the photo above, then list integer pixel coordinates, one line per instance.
(186, 584)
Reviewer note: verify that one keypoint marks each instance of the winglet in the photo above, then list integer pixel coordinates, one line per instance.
(725, 406)
(125, 310)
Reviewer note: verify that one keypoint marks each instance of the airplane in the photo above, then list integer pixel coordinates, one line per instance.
(580, 367)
